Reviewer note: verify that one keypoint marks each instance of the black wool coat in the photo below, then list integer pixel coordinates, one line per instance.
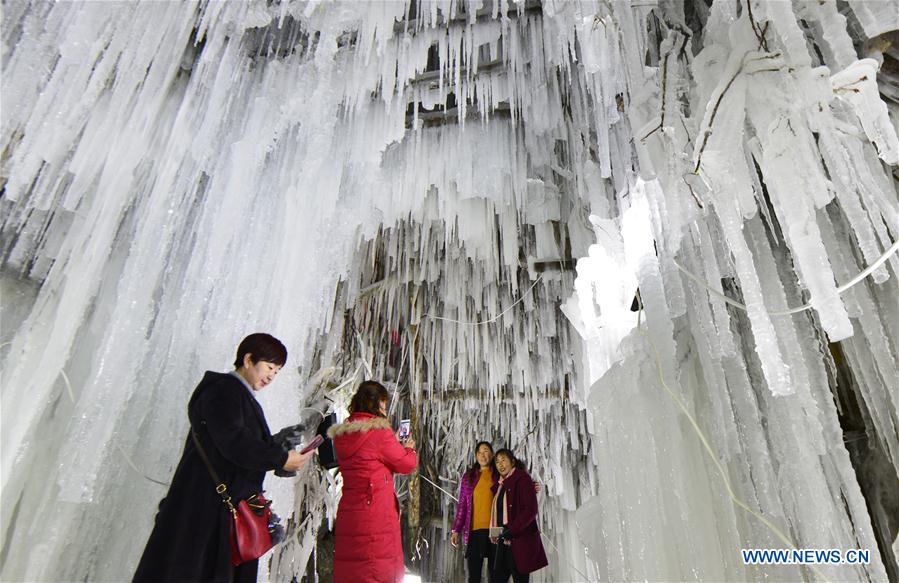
(190, 539)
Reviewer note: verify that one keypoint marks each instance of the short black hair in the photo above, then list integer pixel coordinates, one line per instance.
(261, 346)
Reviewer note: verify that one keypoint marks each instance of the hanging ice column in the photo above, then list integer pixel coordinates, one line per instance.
(787, 195)
(178, 173)
(156, 184)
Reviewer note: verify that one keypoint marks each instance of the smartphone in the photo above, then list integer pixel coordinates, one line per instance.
(405, 429)
(316, 441)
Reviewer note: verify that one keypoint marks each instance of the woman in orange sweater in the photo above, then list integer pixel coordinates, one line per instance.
(473, 512)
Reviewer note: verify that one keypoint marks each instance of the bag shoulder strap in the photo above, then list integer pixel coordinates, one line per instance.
(220, 487)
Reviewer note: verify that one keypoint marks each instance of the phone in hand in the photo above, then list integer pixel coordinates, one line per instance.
(316, 441)
(405, 429)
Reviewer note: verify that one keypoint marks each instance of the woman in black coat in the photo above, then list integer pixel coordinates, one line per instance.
(190, 539)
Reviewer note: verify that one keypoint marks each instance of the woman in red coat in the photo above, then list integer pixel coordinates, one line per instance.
(367, 545)
(519, 548)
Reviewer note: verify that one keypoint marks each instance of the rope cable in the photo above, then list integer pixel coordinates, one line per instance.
(438, 487)
(708, 449)
(558, 552)
(130, 462)
(125, 455)
(68, 383)
(493, 319)
(868, 271)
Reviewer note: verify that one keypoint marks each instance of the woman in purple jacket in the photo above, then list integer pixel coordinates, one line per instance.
(519, 550)
(473, 512)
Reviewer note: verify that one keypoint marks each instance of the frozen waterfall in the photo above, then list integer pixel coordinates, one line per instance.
(650, 245)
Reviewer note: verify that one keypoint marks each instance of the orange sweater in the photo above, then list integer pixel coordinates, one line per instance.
(480, 515)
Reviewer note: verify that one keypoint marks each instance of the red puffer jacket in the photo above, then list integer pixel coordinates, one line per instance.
(367, 545)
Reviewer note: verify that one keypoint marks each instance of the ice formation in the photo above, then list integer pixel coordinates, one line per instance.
(462, 198)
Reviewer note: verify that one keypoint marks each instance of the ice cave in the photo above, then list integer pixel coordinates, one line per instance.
(649, 245)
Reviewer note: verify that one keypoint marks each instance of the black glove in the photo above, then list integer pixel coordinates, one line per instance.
(290, 437)
(276, 529)
(504, 535)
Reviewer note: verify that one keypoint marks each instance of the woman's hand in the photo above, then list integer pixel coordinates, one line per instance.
(536, 487)
(296, 460)
(405, 441)
(454, 539)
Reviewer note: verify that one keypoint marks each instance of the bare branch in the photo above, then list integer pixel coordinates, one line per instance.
(677, 47)
(693, 193)
(730, 82)
(760, 32)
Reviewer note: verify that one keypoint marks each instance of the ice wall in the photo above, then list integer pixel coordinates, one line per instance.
(406, 177)
(761, 204)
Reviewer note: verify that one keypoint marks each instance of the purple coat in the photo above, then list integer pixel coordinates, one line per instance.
(521, 506)
(464, 510)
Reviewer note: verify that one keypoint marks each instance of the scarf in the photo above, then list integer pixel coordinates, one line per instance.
(499, 491)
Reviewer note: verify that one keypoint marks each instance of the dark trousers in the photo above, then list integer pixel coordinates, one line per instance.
(245, 572)
(479, 548)
(505, 567)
